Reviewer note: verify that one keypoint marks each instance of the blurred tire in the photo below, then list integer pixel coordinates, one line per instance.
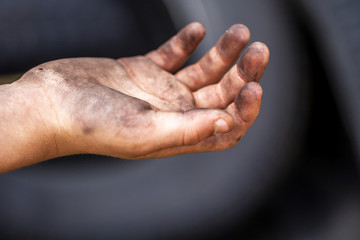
(192, 196)
(335, 26)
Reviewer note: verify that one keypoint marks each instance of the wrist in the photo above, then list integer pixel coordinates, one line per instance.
(28, 133)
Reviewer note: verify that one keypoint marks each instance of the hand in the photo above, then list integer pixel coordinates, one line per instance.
(143, 107)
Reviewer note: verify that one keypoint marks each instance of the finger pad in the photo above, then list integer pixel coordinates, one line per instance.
(191, 36)
(254, 61)
(248, 101)
(233, 41)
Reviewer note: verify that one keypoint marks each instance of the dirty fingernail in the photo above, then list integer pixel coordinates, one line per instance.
(221, 126)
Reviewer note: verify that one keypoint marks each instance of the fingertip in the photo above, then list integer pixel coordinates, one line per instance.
(248, 101)
(253, 88)
(240, 32)
(198, 28)
(173, 53)
(233, 41)
(253, 63)
(262, 49)
(250, 93)
(191, 36)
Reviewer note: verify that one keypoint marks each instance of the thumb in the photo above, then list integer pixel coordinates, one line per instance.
(188, 128)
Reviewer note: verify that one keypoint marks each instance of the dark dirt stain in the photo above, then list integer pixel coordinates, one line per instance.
(87, 130)
(171, 85)
(167, 52)
(184, 103)
(249, 67)
(232, 42)
(239, 138)
(190, 38)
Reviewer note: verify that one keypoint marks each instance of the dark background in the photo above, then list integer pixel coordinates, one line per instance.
(293, 176)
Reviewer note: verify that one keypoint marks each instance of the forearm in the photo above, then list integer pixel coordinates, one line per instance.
(25, 137)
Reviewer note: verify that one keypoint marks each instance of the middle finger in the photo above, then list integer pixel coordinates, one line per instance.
(214, 64)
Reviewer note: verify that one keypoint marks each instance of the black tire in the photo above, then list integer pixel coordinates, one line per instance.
(335, 26)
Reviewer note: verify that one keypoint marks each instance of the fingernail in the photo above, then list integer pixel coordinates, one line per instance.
(221, 126)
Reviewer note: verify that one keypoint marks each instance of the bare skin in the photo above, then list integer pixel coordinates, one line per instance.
(138, 107)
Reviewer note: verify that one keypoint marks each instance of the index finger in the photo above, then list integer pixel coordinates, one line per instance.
(172, 54)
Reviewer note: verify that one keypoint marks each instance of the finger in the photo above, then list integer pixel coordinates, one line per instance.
(250, 67)
(244, 112)
(213, 65)
(171, 55)
(170, 129)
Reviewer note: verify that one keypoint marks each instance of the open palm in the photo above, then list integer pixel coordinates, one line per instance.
(145, 107)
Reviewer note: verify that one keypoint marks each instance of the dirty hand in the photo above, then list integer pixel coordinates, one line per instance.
(144, 106)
